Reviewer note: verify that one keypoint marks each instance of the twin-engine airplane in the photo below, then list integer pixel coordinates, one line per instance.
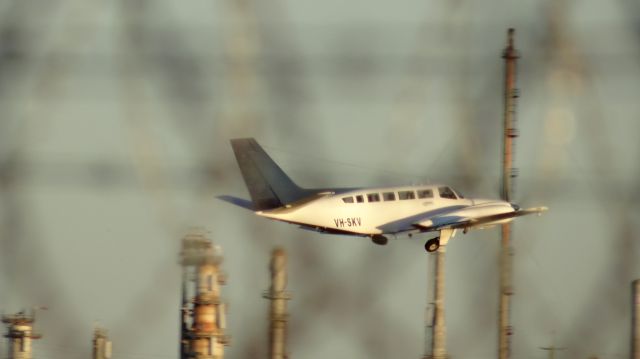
(368, 212)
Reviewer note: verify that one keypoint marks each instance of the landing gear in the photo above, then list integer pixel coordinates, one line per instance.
(379, 239)
(432, 245)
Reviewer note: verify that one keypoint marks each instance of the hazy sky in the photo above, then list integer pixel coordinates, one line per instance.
(115, 118)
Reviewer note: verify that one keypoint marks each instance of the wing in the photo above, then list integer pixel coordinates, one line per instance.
(461, 220)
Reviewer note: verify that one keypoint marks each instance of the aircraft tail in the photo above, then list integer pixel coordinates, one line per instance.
(267, 183)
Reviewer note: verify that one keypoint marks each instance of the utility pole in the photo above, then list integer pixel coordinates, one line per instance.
(509, 173)
(278, 296)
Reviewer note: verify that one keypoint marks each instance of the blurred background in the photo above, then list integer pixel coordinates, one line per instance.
(115, 118)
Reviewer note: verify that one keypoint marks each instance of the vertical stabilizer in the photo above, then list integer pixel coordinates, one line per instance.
(267, 183)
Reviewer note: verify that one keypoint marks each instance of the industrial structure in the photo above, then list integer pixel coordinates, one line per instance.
(203, 314)
(635, 320)
(435, 346)
(278, 296)
(20, 334)
(101, 344)
(436, 337)
(552, 350)
(505, 330)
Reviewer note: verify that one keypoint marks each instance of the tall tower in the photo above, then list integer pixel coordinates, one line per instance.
(101, 344)
(436, 336)
(20, 334)
(510, 56)
(278, 296)
(204, 317)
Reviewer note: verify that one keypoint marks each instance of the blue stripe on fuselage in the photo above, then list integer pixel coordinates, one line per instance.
(407, 223)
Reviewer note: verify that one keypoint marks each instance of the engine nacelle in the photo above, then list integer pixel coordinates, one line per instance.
(379, 239)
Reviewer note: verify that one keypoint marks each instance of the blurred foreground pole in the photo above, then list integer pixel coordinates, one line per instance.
(20, 334)
(510, 57)
(101, 344)
(278, 296)
(635, 321)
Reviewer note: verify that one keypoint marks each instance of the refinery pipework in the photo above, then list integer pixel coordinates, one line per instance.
(204, 317)
(20, 334)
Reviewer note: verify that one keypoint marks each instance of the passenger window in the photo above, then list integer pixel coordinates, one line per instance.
(373, 197)
(446, 192)
(359, 198)
(425, 193)
(347, 199)
(402, 195)
(389, 196)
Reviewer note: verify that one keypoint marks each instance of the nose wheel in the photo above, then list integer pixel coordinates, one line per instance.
(432, 245)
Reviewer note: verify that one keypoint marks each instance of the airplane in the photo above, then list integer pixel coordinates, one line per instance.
(376, 212)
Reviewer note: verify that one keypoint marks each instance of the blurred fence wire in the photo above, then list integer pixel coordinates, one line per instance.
(126, 108)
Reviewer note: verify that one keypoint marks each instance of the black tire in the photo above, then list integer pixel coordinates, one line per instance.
(432, 245)
(379, 239)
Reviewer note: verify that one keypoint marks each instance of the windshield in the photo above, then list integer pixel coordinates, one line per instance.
(446, 192)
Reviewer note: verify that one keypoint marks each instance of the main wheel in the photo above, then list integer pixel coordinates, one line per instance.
(432, 245)
(379, 239)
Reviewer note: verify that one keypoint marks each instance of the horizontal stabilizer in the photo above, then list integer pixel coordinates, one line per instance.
(240, 202)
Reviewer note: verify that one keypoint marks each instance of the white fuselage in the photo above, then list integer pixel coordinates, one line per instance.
(389, 210)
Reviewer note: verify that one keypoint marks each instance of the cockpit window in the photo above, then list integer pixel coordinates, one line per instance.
(373, 197)
(446, 192)
(425, 193)
(406, 195)
(459, 194)
(347, 199)
(359, 198)
(389, 196)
